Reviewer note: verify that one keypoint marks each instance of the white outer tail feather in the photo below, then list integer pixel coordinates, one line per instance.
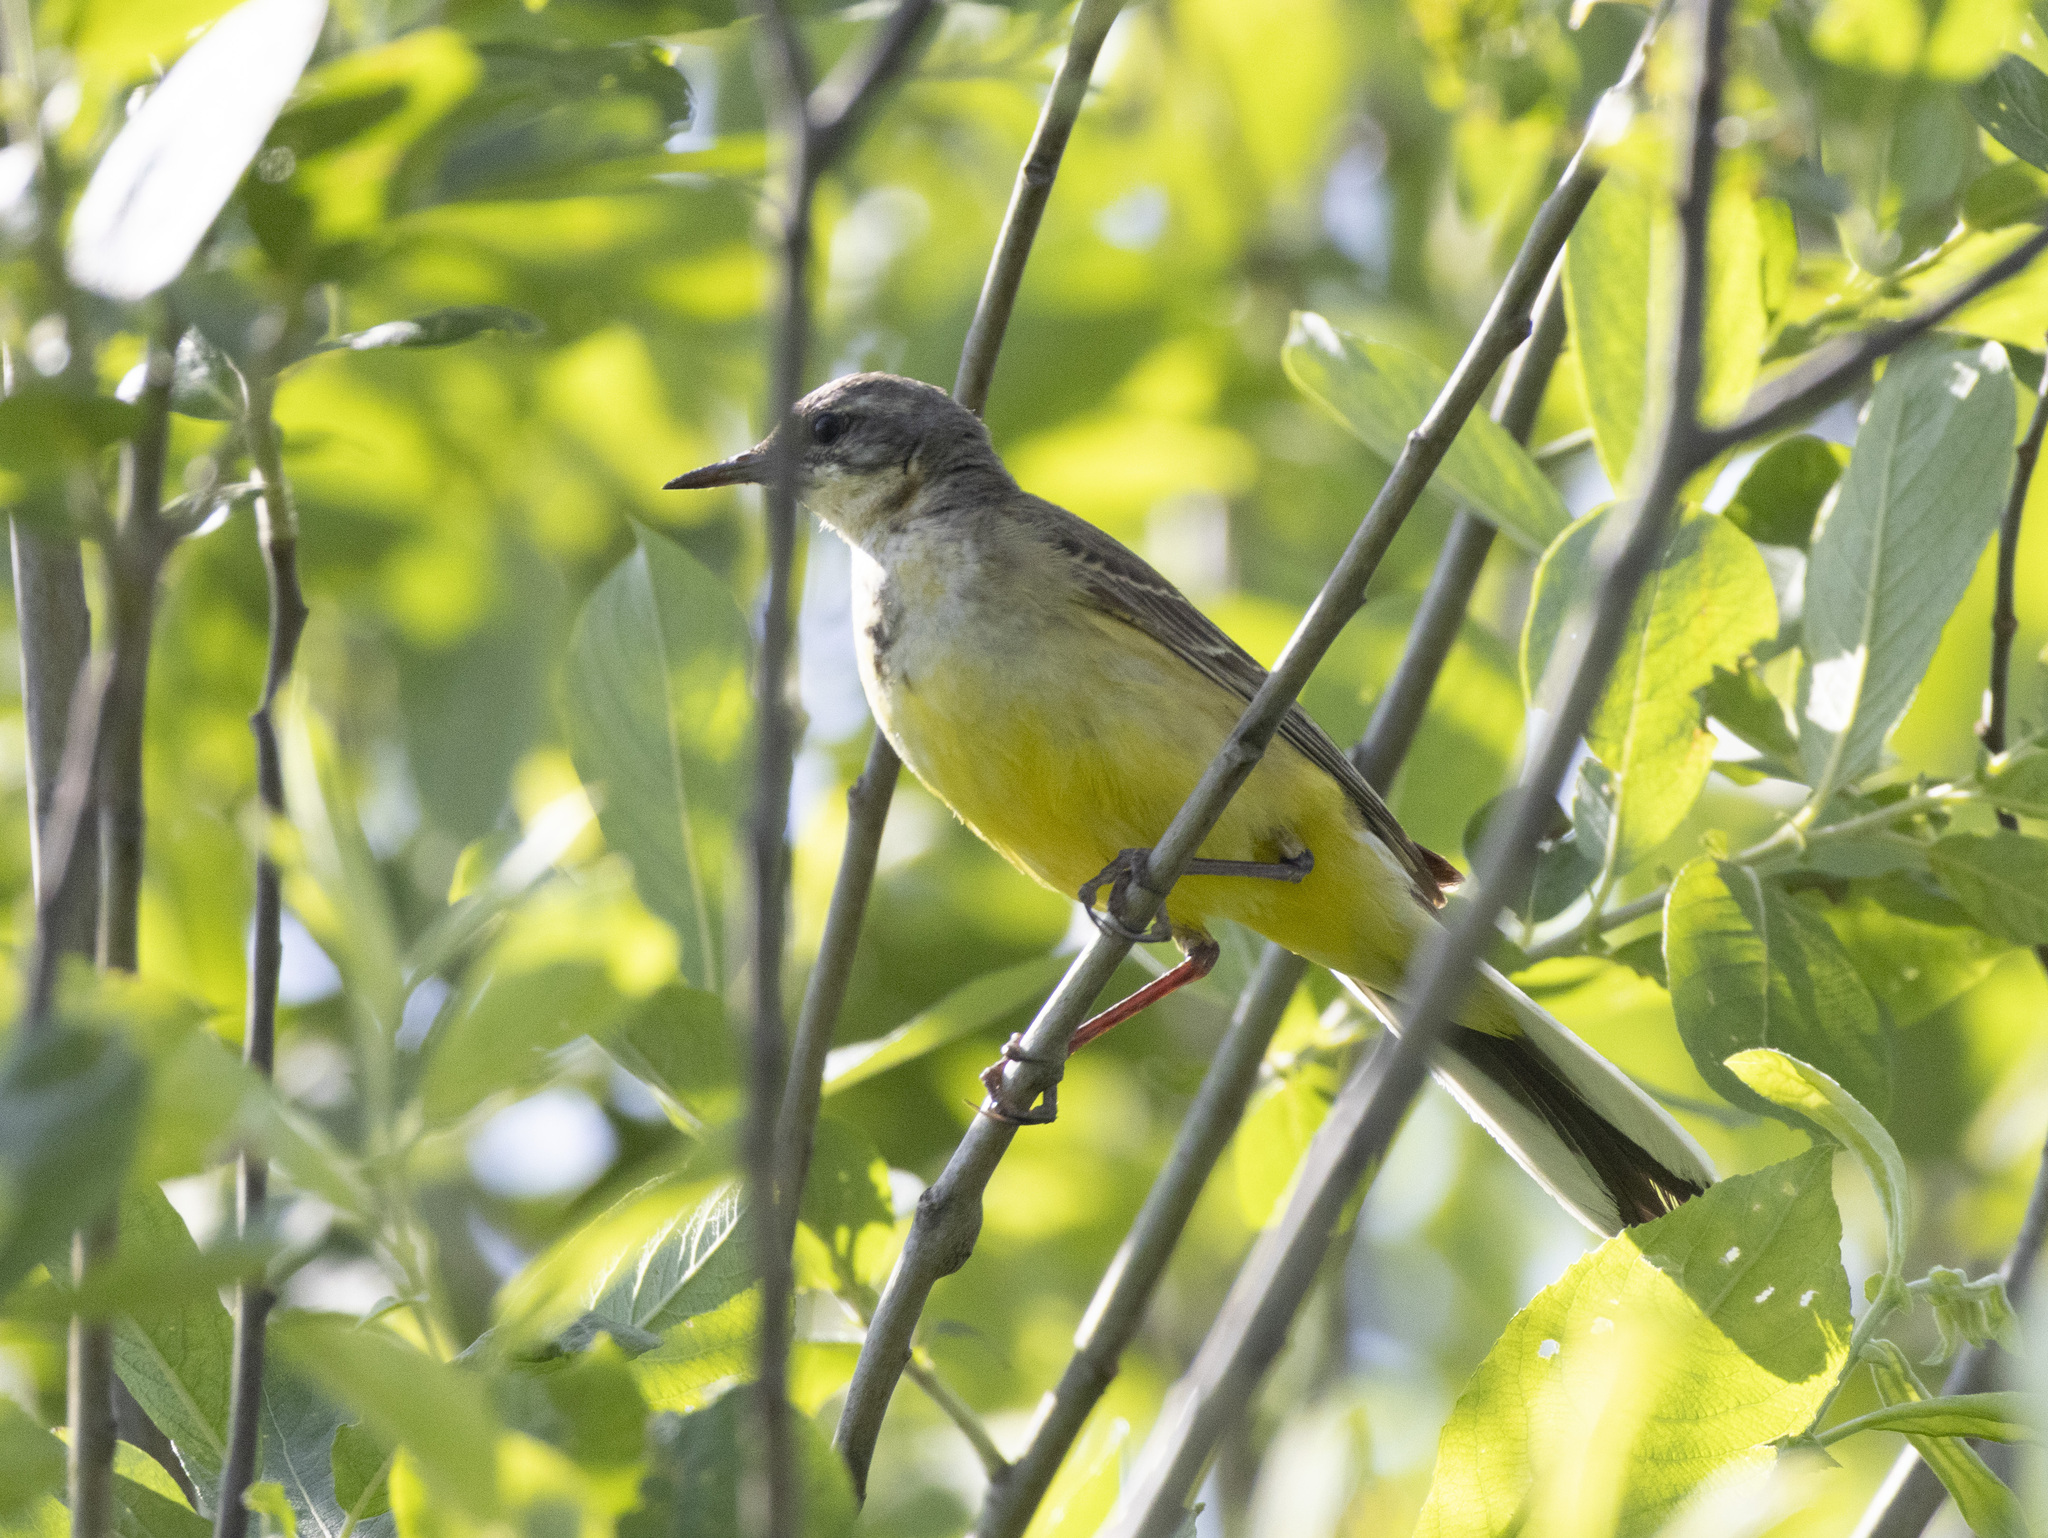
(1529, 1140)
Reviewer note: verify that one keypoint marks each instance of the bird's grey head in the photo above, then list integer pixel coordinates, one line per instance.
(866, 446)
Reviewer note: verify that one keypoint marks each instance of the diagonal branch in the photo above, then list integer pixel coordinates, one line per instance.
(867, 803)
(844, 97)
(1113, 1318)
(1832, 371)
(1369, 1110)
(949, 1212)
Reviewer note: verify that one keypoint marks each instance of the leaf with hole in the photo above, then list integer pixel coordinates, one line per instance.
(2011, 104)
(1670, 1359)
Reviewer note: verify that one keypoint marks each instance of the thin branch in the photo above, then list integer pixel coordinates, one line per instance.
(949, 1212)
(1120, 1303)
(1832, 371)
(277, 532)
(960, 1413)
(772, 1473)
(1028, 199)
(845, 96)
(1911, 1494)
(1370, 1108)
(868, 801)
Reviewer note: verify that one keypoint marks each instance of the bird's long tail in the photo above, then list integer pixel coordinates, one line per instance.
(1591, 1137)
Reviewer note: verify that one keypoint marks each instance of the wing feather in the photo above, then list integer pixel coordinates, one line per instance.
(1118, 583)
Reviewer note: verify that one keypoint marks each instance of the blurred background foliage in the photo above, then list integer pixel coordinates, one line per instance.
(494, 1033)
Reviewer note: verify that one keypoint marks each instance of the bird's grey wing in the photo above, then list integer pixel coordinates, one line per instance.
(1120, 584)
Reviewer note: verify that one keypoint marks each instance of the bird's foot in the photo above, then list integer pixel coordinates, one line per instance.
(1129, 869)
(992, 1081)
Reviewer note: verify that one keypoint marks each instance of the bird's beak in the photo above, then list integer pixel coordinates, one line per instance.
(748, 469)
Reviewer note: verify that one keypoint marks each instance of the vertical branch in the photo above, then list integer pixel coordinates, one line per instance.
(1368, 1111)
(277, 531)
(867, 803)
(1911, 1494)
(1118, 1310)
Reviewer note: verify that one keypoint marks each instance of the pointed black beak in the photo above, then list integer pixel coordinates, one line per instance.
(748, 469)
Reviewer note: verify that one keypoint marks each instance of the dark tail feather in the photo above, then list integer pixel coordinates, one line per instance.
(1641, 1186)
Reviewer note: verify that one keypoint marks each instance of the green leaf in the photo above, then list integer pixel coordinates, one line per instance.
(589, 1406)
(1570, 854)
(1996, 1417)
(971, 1007)
(437, 328)
(1782, 494)
(440, 1414)
(69, 1104)
(269, 1500)
(685, 1266)
(296, 1447)
(1750, 967)
(150, 1506)
(2018, 780)
(1977, 1313)
(696, 1465)
(1616, 264)
(656, 699)
(362, 1472)
(45, 429)
(1706, 605)
(175, 163)
(2011, 104)
(31, 1462)
(1084, 1491)
(678, 1041)
(702, 1355)
(1914, 949)
(1744, 703)
(177, 1363)
(846, 1200)
(1382, 393)
(1991, 1509)
(1785, 1081)
(1674, 1355)
(1919, 500)
(2000, 879)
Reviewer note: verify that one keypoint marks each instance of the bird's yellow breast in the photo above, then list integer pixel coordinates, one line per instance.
(1062, 735)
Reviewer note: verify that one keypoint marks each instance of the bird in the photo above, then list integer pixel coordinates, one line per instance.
(1063, 698)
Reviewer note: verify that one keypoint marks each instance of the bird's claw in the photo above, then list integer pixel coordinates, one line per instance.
(1118, 875)
(992, 1081)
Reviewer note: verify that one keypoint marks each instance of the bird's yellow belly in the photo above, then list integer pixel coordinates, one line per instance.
(1060, 764)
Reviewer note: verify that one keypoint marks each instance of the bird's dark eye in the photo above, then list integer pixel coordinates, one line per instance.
(828, 427)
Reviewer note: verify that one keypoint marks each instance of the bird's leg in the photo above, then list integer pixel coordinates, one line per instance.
(1129, 867)
(1201, 956)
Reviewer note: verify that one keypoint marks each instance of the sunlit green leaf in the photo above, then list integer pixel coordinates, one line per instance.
(1781, 495)
(2018, 780)
(31, 1462)
(1382, 393)
(437, 328)
(2012, 105)
(159, 185)
(1896, 548)
(1086, 1487)
(1750, 967)
(1785, 1081)
(1673, 1355)
(1708, 602)
(1991, 1509)
(1996, 1417)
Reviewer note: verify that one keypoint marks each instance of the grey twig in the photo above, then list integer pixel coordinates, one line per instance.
(1028, 199)
(867, 804)
(277, 532)
(1126, 1291)
(1369, 1109)
(949, 1213)
(1832, 371)
(1911, 1494)
(809, 144)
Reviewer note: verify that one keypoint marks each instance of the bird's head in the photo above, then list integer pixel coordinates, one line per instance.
(866, 446)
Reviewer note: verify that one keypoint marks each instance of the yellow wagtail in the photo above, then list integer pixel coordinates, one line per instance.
(1063, 698)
